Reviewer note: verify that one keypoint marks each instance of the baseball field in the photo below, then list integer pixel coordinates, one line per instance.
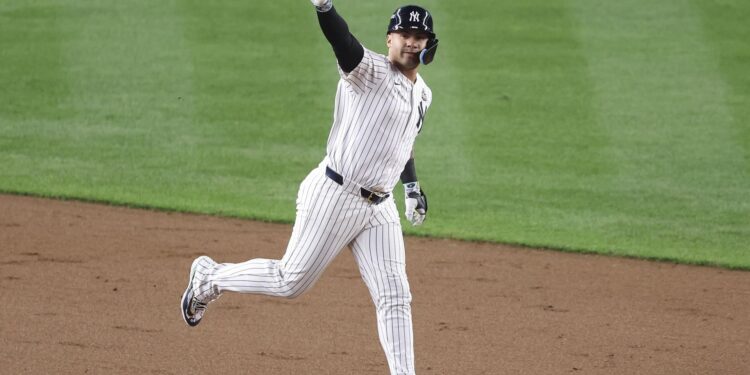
(587, 166)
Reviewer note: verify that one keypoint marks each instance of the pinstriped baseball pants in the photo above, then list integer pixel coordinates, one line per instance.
(330, 217)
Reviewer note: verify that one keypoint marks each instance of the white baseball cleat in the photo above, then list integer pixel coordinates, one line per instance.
(198, 295)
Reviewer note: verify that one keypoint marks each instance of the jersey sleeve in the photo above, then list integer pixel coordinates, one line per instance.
(424, 105)
(427, 97)
(367, 74)
(347, 48)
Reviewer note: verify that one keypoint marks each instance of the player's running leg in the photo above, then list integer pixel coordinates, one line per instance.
(379, 252)
(327, 219)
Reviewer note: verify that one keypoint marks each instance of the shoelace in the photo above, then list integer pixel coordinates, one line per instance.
(197, 306)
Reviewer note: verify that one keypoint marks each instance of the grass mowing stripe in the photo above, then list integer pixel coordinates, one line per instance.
(129, 84)
(724, 24)
(122, 95)
(517, 141)
(33, 90)
(32, 83)
(660, 97)
(258, 101)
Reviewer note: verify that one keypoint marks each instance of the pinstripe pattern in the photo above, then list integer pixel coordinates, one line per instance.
(203, 288)
(327, 221)
(376, 120)
(377, 116)
(379, 252)
(329, 218)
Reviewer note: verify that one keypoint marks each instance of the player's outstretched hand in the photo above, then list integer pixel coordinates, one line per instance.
(416, 203)
(322, 5)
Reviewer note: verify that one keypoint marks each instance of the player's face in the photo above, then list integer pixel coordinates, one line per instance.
(404, 48)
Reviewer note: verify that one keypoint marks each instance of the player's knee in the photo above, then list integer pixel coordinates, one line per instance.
(294, 285)
(394, 304)
(394, 298)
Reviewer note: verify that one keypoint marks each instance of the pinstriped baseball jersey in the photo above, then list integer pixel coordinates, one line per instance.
(377, 116)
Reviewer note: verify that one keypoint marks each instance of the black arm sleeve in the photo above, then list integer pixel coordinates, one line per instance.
(348, 50)
(410, 172)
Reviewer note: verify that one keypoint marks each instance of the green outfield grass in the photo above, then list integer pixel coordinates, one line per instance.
(612, 127)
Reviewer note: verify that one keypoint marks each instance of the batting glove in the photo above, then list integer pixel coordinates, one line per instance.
(322, 5)
(416, 203)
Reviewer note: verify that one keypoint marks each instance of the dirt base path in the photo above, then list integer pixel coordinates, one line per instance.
(95, 289)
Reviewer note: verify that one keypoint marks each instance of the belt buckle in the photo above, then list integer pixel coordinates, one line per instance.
(371, 198)
(375, 198)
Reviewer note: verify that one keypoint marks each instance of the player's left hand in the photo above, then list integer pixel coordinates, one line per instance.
(416, 203)
(322, 5)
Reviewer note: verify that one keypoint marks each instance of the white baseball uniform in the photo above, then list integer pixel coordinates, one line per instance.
(346, 200)
(377, 117)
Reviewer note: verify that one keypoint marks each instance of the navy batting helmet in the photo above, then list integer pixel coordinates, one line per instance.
(413, 17)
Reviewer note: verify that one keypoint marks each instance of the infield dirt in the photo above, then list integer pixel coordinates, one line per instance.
(95, 289)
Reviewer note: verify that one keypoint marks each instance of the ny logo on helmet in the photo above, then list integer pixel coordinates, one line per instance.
(414, 16)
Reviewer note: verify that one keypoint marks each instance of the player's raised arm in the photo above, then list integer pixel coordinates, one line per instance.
(348, 50)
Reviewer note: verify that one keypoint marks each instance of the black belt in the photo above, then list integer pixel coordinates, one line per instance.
(371, 196)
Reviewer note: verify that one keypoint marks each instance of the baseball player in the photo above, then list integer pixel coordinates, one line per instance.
(347, 200)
